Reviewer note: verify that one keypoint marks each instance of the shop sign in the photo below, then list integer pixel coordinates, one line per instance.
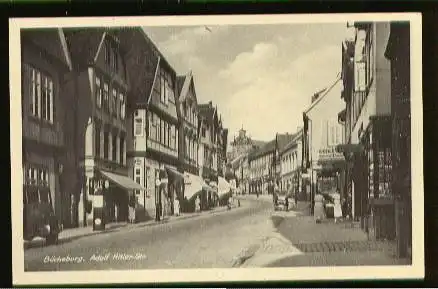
(329, 154)
(98, 201)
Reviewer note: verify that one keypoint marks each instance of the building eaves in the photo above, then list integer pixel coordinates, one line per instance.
(326, 92)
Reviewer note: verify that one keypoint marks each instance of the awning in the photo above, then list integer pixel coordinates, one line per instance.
(223, 187)
(122, 181)
(174, 174)
(193, 185)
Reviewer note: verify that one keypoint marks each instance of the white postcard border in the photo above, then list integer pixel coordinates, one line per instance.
(20, 277)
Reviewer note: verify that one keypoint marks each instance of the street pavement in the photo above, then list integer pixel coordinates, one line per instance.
(299, 241)
(206, 241)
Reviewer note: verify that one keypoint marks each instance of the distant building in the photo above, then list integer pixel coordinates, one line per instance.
(291, 165)
(262, 166)
(242, 144)
(281, 140)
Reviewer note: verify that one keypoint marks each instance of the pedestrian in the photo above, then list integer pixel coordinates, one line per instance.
(287, 203)
(318, 209)
(176, 207)
(197, 204)
(337, 210)
(131, 207)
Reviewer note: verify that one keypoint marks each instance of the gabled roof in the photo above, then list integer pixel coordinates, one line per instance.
(283, 139)
(183, 84)
(207, 111)
(293, 142)
(52, 41)
(265, 149)
(84, 43)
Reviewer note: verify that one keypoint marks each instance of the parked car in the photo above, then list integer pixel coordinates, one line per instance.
(38, 215)
(281, 201)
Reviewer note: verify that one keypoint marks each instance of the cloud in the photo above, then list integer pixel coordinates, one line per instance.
(261, 78)
(189, 39)
(270, 92)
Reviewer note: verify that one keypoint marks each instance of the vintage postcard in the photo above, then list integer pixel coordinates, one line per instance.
(216, 148)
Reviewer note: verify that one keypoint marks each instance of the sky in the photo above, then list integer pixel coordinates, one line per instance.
(261, 77)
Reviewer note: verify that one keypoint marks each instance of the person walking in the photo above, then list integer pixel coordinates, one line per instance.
(337, 210)
(176, 207)
(197, 204)
(318, 209)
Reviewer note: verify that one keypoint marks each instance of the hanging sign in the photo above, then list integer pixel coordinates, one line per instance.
(98, 201)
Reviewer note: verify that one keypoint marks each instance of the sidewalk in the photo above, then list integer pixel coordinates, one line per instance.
(299, 241)
(76, 233)
(264, 197)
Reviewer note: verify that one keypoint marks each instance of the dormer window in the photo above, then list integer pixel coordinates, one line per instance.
(111, 56)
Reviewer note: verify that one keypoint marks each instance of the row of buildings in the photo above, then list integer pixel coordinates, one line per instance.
(105, 105)
(355, 137)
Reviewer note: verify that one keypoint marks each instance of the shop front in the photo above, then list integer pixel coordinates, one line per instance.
(195, 193)
(111, 198)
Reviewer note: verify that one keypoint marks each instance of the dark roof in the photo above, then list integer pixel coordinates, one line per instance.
(292, 142)
(258, 143)
(180, 82)
(207, 110)
(283, 140)
(48, 40)
(139, 53)
(83, 43)
(265, 149)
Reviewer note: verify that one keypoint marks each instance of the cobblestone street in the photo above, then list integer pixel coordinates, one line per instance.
(298, 241)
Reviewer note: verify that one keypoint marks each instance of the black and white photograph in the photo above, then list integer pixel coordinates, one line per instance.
(216, 148)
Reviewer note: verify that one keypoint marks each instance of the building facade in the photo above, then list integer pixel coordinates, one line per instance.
(291, 160)
(47, 162)
(261, 166)
(188, 132)
(398, 52)
(101, 85)
(281, 141)
(155, 130)
(367, 94)
(322, 134)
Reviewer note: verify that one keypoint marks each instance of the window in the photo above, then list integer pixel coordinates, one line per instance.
(122, 150)
(138, 126)
(165, 133)
(98, 93)
(105, 96)
(169, 135)
(176, 140)
(114, 147)
(105, 144)
(40, 90)
(162, 89)
(158, 132)
(122, 105)
(97, 142)
(137, 175)
(111, 56)
(114, 102)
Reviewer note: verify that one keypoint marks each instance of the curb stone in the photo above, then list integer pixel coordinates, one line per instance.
(41, 242)
(246, 254)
